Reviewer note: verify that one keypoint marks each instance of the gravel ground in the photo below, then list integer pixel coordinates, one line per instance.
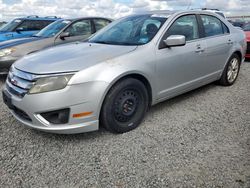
(200, 139)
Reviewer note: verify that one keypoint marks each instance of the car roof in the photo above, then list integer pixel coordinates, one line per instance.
(171, 12)
(52, 18)
(88, 17)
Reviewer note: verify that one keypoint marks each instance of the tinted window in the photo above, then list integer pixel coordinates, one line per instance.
(212, 25)
(132, 30)
(45, 23)
(33, 25)
(82, 27)
(100, 23)
(185, 25)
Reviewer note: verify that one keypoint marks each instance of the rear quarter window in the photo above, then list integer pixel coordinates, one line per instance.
(225, 29)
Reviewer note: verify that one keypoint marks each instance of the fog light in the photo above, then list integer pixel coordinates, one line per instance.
(57, 117)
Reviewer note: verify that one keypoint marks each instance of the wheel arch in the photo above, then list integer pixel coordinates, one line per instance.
(137, 76)
(239, 54)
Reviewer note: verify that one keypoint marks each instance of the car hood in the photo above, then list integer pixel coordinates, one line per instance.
(15, 42)
(70, 57)
(247, 35)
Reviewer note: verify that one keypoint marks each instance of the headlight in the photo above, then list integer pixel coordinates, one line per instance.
(50, 84)
(7, 51)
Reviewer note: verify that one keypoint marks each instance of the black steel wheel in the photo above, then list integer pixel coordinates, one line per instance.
(125, 106)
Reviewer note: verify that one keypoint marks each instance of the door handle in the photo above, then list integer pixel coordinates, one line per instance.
(199, 49)
(230, 42)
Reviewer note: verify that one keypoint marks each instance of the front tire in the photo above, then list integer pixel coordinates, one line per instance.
(124, 106)
(231, 72)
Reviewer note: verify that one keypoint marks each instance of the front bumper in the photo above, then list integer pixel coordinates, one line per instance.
(78, 98)
(5, 64)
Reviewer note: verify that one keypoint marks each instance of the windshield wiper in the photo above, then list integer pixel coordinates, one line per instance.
(101, 42)
(114, 43)
(36, 36)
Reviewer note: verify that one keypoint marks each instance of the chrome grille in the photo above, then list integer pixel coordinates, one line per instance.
(19, 83)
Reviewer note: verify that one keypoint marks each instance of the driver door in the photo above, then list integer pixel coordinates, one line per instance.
(79, 30)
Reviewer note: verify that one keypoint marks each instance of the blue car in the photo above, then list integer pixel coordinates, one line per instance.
(24, 27)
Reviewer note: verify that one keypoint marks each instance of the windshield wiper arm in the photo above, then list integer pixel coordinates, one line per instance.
(101, 42)
(35, 36)
(114, 43)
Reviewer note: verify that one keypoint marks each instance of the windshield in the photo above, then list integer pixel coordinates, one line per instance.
(11, 25)
(132, 30)
(53, 29)
(246, 27)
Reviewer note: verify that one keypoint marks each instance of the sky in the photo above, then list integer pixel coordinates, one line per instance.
(10, 9)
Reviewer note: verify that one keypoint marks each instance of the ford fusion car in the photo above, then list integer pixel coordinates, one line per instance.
(24, 27)
(133, 63)
(59, 32)
(246, 28)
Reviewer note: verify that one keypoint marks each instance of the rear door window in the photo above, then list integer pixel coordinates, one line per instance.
(212, 26)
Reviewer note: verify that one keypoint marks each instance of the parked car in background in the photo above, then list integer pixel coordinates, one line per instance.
(59, 32)
(133, 63)
(24, 27)
(2, 23)
(246, 28)
(238, 23)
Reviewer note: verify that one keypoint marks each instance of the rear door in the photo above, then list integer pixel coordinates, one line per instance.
(78, 30)
(179, 68)
(218, 42)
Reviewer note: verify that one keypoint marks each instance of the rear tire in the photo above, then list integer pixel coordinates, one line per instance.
(231, 71)
(124, 106)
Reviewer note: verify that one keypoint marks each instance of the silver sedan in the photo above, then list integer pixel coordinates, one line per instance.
(133, 63)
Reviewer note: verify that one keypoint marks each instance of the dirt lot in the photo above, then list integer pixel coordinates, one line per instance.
(200, 139)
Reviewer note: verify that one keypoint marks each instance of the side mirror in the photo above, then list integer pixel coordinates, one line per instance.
(19, 30)
(64, 35)
(175, 40)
